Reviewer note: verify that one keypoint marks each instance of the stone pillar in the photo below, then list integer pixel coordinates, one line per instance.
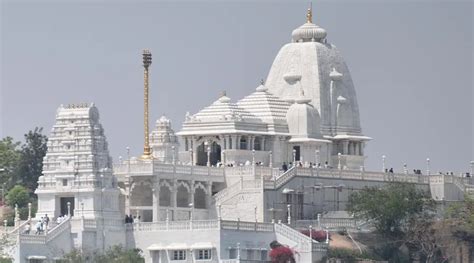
(127, 196)
(156, 200)
(174, 195)
(209, 195)
(234, 142)
(237, 142)
(191, 197)
(252, 143)
(194, 146)
(262, 143)
(345, 147)
(357, 148)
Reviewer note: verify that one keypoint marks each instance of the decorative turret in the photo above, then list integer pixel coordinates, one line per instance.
(164, 142)
(303, 119)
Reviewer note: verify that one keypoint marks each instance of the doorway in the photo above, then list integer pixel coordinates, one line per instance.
(297, 152)
(63, 205)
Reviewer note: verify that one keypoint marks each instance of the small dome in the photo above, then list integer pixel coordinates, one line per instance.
(308, 32)
(261, 88)
(224, 99)
(341, 100)
(163, 120)
(303, 120)
(335, 75)
(292, 77)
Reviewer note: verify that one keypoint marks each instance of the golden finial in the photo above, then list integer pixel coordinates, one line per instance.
(309, 15)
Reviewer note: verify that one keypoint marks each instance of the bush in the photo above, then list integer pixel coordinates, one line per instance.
(318, 235)
(282, 254)
(348, 255)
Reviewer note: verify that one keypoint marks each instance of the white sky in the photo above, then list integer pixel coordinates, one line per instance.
(411, 62)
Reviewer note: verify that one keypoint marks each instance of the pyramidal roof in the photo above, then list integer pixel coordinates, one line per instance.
(223, 109)
(266, 106)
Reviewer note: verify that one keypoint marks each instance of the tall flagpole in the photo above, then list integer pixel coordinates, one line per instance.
(146, 65)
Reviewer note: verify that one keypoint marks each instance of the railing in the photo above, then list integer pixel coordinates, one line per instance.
(329, 223)
(304, 242)
(45, 238)
(17, 229)
(200, 225)
(158, 167)
(247, 226)
(56, 231)
(285, 177)
(343, 174)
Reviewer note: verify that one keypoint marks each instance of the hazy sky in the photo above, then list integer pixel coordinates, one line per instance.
(411, 62)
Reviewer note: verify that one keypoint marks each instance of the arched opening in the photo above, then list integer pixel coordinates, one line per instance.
(200, 198)
(215, 155)
(165, 196)
(182, 196)
(201, 155)
(297, 153)
(141, 195)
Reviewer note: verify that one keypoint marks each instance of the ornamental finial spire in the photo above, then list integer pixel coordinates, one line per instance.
(309, 15)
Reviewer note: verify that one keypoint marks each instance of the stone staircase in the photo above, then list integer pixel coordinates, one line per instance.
(306, 249)
(235, 189)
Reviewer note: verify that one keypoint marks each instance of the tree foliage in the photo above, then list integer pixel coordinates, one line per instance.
(18, 195)
(31, 163)
(115, 254)
(10, 156)
(22, 163)
(462, 216)
(389, 207)
(119, 254)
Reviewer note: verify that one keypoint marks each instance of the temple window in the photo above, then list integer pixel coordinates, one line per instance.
(243, 143)
(165, 196)
(182, 197)
(179, 255)
(257, 144)
(199, 198)
(203, 254)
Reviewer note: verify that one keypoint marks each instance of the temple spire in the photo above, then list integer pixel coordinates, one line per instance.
(309, 15)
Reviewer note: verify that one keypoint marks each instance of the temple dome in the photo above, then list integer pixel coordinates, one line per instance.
(318, 68)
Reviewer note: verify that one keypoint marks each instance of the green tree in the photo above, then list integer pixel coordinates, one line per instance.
(119, 254)
(18, 195)
(115, 254)
(462, 216)
(32, 153)
(389, 207)
(10, 156)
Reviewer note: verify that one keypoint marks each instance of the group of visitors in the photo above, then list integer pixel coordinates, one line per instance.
(41, 226)
(285, 167)
(129, 219)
